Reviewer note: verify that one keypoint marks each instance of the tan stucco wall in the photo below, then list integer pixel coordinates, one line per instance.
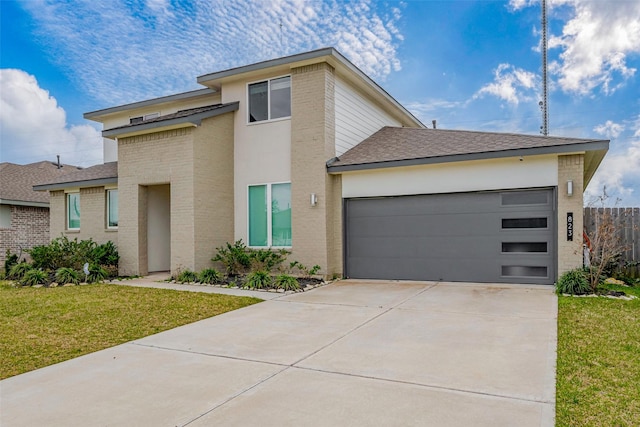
(570, 167)
(316, 230)
(197, 163)
(93, 211)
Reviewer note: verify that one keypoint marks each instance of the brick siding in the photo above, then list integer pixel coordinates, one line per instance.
(570, 167)
(29, 228)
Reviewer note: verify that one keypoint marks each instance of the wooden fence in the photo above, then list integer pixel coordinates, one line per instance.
(627, 224)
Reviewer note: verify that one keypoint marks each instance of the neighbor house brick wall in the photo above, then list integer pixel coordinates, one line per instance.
(29, 227)
(570, 168)
(314, 228)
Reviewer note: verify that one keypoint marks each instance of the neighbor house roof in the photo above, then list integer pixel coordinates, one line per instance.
(93, 176)
(394, 146)
(17, 181)
(191, 116)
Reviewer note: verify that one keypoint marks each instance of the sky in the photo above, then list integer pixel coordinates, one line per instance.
(473, 65)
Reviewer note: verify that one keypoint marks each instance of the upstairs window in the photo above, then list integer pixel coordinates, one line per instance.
(140, 119)
(270, 99)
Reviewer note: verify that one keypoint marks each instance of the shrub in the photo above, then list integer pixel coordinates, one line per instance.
(9, 261)
(18, 271)
(305, 271)
(210, 276)
(574, 282)
(267, 259)
(97, 274)
(258, 280)
(105, 254)
(34, 276)
(66, 275)
(234, 258)
(186, 276)
(286, 282)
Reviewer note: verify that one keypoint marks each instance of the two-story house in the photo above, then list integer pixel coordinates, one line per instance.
(308, 153)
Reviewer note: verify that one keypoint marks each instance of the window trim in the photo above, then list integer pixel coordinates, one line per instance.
(108, 205)
(67, 196)
(269, 217)
(268, 119)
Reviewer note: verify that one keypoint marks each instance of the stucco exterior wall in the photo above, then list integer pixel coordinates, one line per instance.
(570, 253)
(262, 151)
(29, 227)
(477, 175)
(314, 228)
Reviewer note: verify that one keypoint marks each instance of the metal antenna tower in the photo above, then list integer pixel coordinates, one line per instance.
(544, 104)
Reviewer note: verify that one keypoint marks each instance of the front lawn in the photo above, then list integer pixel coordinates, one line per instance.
(43, 326)
(598, 371)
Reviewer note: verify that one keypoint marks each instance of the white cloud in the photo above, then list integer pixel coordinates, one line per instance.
(620, 174)
(33, 127)
(595, 43)
(119, 52)
(510, 84)
(609, 129)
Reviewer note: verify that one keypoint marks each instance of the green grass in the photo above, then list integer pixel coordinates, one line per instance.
(598, 376)
(43, 326)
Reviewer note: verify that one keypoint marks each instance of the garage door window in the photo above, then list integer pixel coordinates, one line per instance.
(510, 223)
(270, 215)
(524, 247)
(523, 271)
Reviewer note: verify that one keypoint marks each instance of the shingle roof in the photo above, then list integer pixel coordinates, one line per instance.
(394, 146)
(94, 175)
(17, 181)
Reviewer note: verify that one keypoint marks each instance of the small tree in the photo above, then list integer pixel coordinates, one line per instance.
(604, 242)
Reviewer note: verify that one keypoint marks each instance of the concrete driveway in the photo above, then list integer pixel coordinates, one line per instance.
(352, 353)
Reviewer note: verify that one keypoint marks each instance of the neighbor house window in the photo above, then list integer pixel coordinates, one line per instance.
(270, 99)
(112, 208)
(5, 216)
(73, 211)
(270, 215)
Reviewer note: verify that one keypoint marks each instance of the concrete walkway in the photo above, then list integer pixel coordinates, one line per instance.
(359, 353)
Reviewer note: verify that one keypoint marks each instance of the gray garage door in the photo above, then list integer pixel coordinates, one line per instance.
(503, 237)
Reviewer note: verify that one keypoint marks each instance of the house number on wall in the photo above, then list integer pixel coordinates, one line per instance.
(570, 226)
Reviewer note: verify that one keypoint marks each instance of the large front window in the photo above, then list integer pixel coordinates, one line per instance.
(270, 99)
(73, 211)
(112, 208)
(270, 215)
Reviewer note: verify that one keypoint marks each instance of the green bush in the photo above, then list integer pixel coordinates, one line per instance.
(234, 258)
(62, 252)
(305, 271)
(105, 254)
(573, 282)
(210, 276)
(9, 261)
(97, 274)
(267, 259)
(18, 271)
(187, 276)
(258, 280)
(286, 282)
(66, 275)
(34, 276)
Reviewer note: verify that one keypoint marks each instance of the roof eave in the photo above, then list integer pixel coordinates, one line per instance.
(589, 146)
(93, 115)
(76, 184)
(192, 120)
(24, 203)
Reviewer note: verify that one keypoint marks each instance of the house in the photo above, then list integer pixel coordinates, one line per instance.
(24, 213)
(307, 153)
